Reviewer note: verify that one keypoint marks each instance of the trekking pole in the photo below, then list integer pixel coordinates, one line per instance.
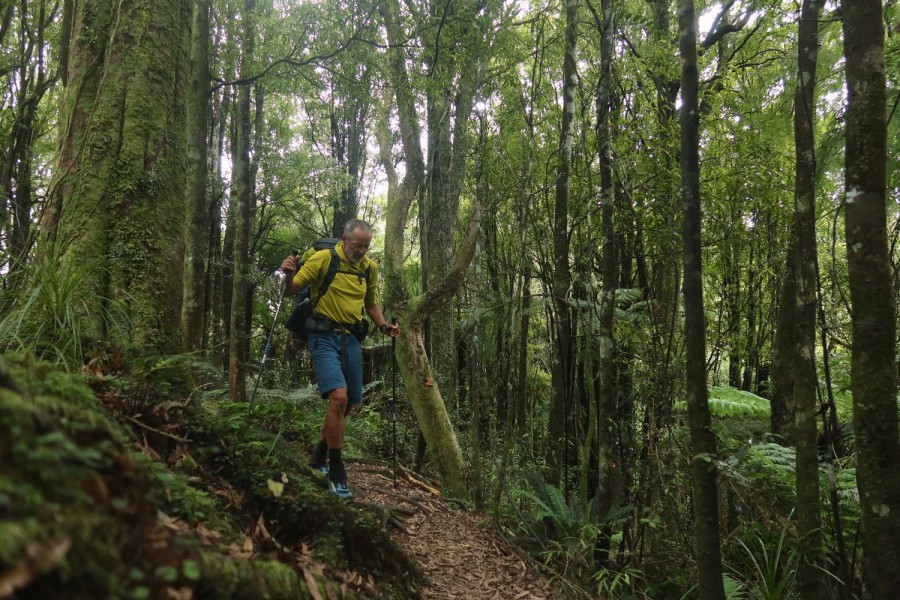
(268, 347)
(394, 397)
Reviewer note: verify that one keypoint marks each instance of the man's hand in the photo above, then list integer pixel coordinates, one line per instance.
(289, 265)
(389, 329)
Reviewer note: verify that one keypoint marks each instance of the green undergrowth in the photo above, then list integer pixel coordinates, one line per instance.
(106, 496)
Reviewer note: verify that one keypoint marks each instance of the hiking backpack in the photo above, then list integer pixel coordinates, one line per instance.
(305, 304)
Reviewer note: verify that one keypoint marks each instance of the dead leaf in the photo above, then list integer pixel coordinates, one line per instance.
(180, 594)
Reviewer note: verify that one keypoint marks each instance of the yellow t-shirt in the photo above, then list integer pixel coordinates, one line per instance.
(348, 293)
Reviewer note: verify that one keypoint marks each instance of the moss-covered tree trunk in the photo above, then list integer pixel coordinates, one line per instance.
(196, 260)
(873, 373)
(116, 201)
(415, 365)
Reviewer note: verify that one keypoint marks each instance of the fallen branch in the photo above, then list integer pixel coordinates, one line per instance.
(408, 476)
(160, 432)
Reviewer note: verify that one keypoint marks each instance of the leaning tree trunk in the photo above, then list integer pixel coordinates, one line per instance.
(415, 366)
(703, 441)
(809, 509)
(116, 201)
(873, 373)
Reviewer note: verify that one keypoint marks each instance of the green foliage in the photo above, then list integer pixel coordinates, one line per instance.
(773, 567)
(561, 520)
(624, 583)
(729, 402)
(57, 317)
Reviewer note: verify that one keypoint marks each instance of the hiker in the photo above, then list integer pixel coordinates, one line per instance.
(335, 352)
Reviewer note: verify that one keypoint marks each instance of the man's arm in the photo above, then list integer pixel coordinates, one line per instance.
(381, 323)
(289, 268)
(297, 280)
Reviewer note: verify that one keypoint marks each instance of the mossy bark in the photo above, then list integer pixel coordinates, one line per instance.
(415, 366)
(116, 200)
(196, 263)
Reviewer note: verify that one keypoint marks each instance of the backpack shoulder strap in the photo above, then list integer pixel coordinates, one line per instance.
(329, 274)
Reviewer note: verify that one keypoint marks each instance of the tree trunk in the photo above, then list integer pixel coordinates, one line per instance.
(242, 198)
(449, 101)
(561, 368)
(349, 118)
(117, 198)
(608, 418)
(703, 441)
(873, 372)
(809, 519)
(196, 261)
(782, 396)
(415, 366)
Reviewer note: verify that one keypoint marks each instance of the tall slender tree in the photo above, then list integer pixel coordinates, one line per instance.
(242, 199)
(607, 414)
(563, 353)
(703, 442)
(873, 373)
(196, 260)
(412, 359)
(806, 402)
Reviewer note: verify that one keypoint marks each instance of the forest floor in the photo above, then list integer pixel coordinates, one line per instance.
(463, 555)
(113, 491)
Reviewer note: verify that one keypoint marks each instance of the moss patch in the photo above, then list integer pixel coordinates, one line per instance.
(92, 507)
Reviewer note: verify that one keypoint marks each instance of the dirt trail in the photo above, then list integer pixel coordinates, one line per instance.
(461, 552)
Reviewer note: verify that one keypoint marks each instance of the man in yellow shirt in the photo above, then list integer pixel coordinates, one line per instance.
(335, 352)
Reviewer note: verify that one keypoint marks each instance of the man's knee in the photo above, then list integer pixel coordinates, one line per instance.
(338, 398)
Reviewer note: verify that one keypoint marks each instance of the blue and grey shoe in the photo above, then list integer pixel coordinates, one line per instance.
(341, 490)
(323, 470)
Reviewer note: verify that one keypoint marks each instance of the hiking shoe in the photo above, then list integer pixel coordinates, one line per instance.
(341, 490)
(323, 470)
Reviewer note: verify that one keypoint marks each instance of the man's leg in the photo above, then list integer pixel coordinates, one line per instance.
(337, 362)
(333, 432)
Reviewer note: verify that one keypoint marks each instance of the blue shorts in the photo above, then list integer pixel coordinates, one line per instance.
(336, 367)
